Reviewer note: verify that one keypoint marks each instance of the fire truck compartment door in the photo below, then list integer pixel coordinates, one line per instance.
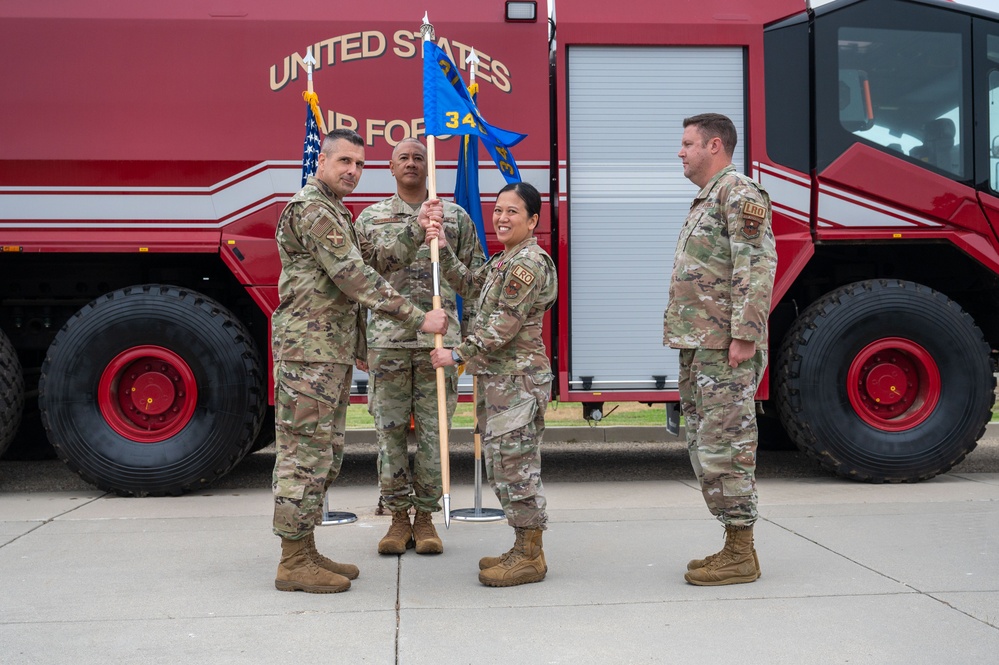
(628, 198)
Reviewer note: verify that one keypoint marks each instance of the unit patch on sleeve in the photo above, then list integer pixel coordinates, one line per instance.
(512, 289)
(754, 217)
(523, 274)
(335, 236)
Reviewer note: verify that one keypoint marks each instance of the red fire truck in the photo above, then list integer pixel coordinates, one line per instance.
(146, 151)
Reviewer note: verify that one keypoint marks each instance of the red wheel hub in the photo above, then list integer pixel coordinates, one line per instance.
(147, 394)
(893, 384)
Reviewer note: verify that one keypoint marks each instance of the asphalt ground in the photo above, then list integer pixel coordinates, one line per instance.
(852, 573)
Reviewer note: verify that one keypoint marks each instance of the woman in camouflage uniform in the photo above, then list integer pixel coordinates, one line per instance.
(505, 350)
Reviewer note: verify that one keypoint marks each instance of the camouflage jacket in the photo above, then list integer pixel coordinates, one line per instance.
(324, 277)
(723, 271)
(515, 288)
(383, 224)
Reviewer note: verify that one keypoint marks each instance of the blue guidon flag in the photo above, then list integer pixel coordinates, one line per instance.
(466, 187)
(448, 109)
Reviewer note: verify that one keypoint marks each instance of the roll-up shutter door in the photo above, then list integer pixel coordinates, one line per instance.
(627, 199)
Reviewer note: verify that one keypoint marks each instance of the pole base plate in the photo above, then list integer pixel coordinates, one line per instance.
(338, 517)
(478, 515)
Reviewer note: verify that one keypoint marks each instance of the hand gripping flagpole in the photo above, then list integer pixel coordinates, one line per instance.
(478, 513)
(427, 32)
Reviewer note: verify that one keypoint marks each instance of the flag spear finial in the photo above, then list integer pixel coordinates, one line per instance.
(310, 62)
(473, 63)
(311, 96)
(427, 29)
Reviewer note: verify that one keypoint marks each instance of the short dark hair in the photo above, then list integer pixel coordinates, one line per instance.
(528, 194)
(337, 134)
(715, 124)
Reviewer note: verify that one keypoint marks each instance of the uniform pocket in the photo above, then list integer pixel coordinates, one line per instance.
(515, 417)
(296, 413)
(542, 378)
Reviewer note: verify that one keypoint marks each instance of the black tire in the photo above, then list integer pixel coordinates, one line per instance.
(772, 435)
(11, 392)
(885, 381)
(266, 435)
(152, 390)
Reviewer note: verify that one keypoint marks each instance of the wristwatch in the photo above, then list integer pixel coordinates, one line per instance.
(455, 357)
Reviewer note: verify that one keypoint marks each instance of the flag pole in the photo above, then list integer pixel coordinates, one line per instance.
(312, 98)
(427, 32)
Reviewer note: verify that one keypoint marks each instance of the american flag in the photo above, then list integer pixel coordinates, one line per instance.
(310, 154)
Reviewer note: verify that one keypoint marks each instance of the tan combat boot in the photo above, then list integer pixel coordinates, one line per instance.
(427, 541)
(524, 564)
(490, 561)
(297, 571)
(348, 570)
(400, 535)
(700, 563)
(735, 564)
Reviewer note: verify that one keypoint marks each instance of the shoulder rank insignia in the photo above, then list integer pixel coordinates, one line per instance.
(754, 216)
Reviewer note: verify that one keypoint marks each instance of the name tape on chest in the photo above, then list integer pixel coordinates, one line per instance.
(397, 217)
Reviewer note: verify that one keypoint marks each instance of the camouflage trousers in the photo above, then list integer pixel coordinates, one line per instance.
(718, 406)
(511, 416)
(310, 412)
(403, 382)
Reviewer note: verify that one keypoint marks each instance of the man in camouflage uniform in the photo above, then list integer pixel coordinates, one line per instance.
(505, 350)
(403, 382)
(318, 330)
(719, 300)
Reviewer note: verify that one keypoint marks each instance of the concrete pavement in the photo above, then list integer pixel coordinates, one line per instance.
(852, 573)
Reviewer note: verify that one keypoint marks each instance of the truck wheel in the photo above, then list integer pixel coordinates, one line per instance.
(772, 435)
(152, 390)
(265, 436)
(11, 392)
(885, 380)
